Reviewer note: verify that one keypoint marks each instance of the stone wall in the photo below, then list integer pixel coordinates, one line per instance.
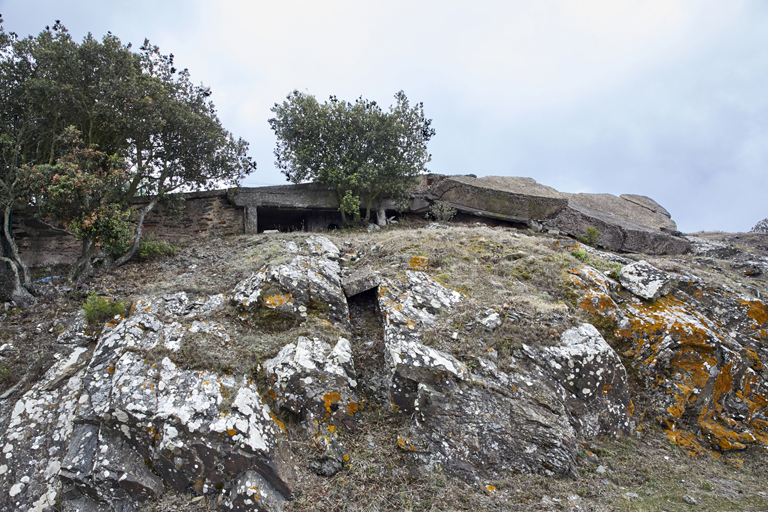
(204, 214)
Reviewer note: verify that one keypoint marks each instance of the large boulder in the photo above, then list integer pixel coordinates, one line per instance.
(500, 197)
(644, 280)
(315, 381)
(307, 286)
(118, 423)
(626, 223)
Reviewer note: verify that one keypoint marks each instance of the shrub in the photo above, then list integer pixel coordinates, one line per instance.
(760, 227)
(98, 309)
(441, 212)
(593, 236)
(581, 255)
(150, 247)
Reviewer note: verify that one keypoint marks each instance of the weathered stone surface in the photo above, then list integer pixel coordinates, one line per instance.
(700, 352)
(645, 280)
(500, 197)
(492, 428)
(491, 321)
(32, 456)
(252, 492)
(313, 380)
(711, 248)
(77, 332)
(591, 372)
(306, 286)
(359, 282)
(623, 225)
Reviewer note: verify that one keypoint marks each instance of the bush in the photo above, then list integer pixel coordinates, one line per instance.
(593, 236)
(98, 309)
(150, 247)
(441, 212)
(580, 255)
(760, 227)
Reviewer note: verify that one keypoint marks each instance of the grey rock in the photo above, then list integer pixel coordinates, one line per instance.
(645, 280)
(690, 500)
(317, 382)
(306, 286)
(501, 197)
(77, 332)
(624, 225)
(359, 281)
(252, 492)
(491, 321)
(597, 398)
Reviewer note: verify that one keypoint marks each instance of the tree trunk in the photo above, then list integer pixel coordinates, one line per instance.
(12, 244)
(19, 294)
(82, 266)
(137, 238)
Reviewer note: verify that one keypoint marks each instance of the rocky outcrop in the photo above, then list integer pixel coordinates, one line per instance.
(500, 197)
(627, 223)
(120, 422)
(709, 345)
(307, 286)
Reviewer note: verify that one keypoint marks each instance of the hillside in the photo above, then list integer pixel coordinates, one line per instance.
(417, 367)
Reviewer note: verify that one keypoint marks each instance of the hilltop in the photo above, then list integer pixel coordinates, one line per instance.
(480, 369)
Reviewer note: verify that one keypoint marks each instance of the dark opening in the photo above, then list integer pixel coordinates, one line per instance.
(368, 346)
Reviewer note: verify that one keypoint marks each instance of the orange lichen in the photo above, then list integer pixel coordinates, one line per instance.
(111, 369)
(419, 263)
(277, 300)
(757, 311)
(352, 408)
(231, 431)
(279, 423)
(329, 399)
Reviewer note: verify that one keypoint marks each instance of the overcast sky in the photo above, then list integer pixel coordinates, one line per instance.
(664, 98)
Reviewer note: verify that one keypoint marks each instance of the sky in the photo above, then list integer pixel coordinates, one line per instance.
(664, 98)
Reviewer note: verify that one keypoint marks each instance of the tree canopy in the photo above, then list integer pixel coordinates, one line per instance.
(356, 149)
(85, 127)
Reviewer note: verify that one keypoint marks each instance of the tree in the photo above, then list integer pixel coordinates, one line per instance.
(82, 190)
(355, 149)
(760, 227)
(142, 128)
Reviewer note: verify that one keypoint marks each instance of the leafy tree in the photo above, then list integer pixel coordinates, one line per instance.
(760, 227)
(356, 149)
(82, 190)
(143, 127)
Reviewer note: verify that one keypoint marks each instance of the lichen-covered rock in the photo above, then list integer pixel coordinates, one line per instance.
(321, 246)
(645, 280)
(701, 355)
(591, 372)
(307, 286)
(102, 431)
(360, 281)
(251, 492)
(491, 321)
(77, 332)
(492, 428)
(34, 441)
(316, 381)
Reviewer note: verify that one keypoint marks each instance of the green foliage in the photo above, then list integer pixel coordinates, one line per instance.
(580, 254)
(143, 127)
(151, 248)
(614, 272)
(760, 227)
(441, 212)
(98, 309)
(350, 205)
(352, 148)
(593, 236)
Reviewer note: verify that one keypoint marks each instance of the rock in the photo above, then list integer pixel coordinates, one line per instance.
(252, 492)
(476, 431)
(491, 322)
(690, 500)
(597, 398)
(311, 379)
(306, 286)
(500, 197)
(77, 333)
(359, 282)
(645, 280)
(711, 248)
(625, 223)
(321, 246)
(117, 429)
(373, 227)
